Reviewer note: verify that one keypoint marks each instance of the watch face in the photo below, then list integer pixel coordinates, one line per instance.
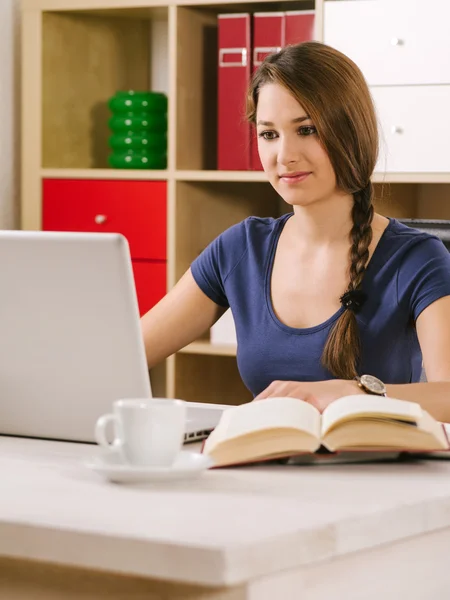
(373, 384)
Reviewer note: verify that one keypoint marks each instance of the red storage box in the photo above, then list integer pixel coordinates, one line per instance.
(136, 209)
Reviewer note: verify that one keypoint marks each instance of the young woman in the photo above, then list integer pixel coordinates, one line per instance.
(330, 291)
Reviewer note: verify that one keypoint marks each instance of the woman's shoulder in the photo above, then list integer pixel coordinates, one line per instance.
(403, 240)
(258, 226)
(251, 237)
(252, 231)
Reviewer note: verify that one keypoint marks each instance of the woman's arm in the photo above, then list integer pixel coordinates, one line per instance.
(433, 331)
(177, 320)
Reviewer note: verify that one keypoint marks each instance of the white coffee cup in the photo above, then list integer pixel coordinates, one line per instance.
(149, 432)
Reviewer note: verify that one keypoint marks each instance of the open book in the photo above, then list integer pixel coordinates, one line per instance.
(281, 427)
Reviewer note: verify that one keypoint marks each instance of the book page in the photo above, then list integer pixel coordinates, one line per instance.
(365, 405)
(270, 413)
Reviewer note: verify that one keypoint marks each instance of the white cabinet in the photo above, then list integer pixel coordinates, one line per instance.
(394, 42)
(414, 128)
(403, 49)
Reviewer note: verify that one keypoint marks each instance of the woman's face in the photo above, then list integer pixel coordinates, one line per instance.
(293, 158)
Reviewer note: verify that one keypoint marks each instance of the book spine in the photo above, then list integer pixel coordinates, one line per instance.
(299, 26)
(233, 148)
(268, 38)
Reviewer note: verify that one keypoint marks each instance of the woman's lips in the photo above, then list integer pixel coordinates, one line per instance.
(291, 178)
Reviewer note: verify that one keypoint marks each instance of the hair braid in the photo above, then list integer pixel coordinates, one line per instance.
(342, 349)
(360, 235)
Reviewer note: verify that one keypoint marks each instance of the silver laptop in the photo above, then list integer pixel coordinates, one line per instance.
(70, 337)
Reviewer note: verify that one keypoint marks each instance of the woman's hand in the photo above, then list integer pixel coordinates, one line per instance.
(318, 393)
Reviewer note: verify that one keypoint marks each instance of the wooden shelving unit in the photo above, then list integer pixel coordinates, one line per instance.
(138, 174)
(78, 53)
(213, 349)
(214, 175)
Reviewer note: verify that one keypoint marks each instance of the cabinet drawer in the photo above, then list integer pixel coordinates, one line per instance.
(136, 209)
(395, 42)
(150, 282)
(414, 128)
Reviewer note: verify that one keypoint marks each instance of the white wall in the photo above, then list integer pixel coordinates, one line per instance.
(9, 113)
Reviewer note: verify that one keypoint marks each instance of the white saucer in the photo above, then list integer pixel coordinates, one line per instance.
(188, 465)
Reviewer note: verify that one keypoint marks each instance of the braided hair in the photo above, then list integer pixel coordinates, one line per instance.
(345, 331)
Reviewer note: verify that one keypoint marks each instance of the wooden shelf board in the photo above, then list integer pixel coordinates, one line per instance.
(220, 176)
(249, 176)
(132, 174)
(411, 178)
(205, 347)
(159, 11)
(244, 4)
(136, 8)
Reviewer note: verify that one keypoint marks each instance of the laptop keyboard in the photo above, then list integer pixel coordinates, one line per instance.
(196, 436)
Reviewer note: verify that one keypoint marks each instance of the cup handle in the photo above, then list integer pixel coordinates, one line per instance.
(100, 431)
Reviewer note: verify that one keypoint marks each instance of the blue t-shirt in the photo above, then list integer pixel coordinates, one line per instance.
(408, 271)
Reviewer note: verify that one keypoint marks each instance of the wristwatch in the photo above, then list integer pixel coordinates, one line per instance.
(371, 385)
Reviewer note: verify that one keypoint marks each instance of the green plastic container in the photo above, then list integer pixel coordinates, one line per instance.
(146, 141)
(139, 130)
(137, 160)
(134, 123)
(132, 101)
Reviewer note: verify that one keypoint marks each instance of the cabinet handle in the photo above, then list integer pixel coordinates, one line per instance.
(397, 41)
(100, 219)
(396, 129)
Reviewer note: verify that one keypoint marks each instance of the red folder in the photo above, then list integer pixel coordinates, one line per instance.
(268, 37)
(299, 26)
(233, 135)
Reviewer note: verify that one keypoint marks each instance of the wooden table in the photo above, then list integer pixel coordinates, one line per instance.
(281, 533)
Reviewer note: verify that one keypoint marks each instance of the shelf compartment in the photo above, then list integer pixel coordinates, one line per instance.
(86, 58)
(197, 74)
(410, 200)
(209, 378)
(205, 209)
(433, 201)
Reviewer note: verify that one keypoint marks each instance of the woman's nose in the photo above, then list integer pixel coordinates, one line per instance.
(287, 152)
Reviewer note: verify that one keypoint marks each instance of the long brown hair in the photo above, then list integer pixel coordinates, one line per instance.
(333, 92)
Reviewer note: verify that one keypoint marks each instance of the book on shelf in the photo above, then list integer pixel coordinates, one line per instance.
(244, 40)
(268, 37)
(276, 428)
(233, 135)
(299, 26)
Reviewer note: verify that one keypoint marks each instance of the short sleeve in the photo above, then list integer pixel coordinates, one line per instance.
(424, 275)
(211, 268)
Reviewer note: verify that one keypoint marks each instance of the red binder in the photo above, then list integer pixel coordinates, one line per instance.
(233, 136)
(268, 37)
(299, 26)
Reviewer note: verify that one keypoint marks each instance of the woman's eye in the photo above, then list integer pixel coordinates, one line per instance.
(268, 135)
(307, 130)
